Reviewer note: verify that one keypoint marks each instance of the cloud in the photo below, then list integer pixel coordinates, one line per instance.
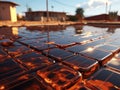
(78, 5)
(95, 7)
(94, 4)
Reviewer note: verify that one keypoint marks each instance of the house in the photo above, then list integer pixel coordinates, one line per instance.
(42, 16)
(8, 11)
(100, 17)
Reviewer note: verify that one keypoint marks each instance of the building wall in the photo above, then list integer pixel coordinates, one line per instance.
(42, 16)
(8, 12)
(98, 17)
(13, 13)
(5, 12)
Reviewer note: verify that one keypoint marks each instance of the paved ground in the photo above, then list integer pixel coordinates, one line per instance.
(38, 23)
(33, 23)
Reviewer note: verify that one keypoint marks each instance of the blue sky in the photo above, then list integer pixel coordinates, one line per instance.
(91, 7)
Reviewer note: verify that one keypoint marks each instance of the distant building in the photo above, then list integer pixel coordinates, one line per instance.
(100, 17)
(20, 17)
(8, 11)
(42, 16)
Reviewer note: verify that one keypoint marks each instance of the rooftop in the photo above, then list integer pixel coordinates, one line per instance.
(13, 3)
(44, 11)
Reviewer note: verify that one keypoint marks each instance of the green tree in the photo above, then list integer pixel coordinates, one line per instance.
(29, 9)
(80, 14)
(113, 16)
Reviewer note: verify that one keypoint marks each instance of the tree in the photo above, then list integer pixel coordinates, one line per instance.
(29, 9)
(113, 16)
(80, 13)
